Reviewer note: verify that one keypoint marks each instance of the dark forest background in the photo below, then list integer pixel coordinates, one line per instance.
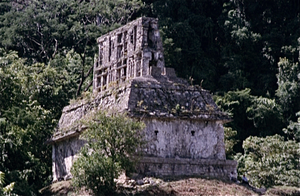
(246, 53)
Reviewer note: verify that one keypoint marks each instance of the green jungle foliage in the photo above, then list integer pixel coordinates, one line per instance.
(245, 52)
(7, 190)
(270, 160)
(293, 130)
(31, 101)
(112, 142)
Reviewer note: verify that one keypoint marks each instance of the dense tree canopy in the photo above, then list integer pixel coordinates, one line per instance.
(245, 52)
(271, 161)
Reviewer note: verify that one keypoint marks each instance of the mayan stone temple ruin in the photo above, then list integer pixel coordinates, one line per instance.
(184, 127)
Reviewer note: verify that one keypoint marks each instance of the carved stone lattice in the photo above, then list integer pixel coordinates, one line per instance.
(128, 52)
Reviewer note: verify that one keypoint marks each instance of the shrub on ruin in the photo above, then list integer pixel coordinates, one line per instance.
(112, 145)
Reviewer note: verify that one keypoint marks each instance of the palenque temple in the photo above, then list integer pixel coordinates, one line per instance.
(184, 127)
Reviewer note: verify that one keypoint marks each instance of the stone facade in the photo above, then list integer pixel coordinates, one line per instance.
(186, 167)
(184, 127)
(128, 52)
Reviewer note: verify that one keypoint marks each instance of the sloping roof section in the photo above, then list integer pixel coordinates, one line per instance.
(166, 96)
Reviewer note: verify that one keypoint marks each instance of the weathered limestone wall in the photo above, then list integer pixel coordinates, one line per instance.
(175, 147)
(160, 167)
(63, 156)
(184, 139)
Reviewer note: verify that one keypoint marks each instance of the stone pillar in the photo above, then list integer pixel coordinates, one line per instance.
(101, 85)
(142, 68)
(134, 68)
(107, 78)
(53, 164)
(115, 74)
(127, 70)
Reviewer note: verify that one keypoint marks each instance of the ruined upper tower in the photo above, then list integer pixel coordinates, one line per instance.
(128, 52)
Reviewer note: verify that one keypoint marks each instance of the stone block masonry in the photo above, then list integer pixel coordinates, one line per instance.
(184, 127)
(160, 167)
(128, 52)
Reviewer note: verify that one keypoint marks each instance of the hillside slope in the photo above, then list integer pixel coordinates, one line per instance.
(189, 186)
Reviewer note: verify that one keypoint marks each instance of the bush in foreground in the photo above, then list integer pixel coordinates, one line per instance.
(111, 143)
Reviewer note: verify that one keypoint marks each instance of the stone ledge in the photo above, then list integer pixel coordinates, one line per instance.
(187, 161)
(155, 166)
